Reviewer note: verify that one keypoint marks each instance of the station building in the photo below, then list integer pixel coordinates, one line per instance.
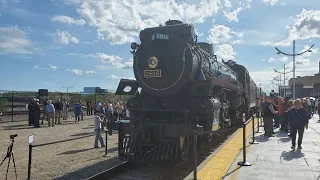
(307, 85)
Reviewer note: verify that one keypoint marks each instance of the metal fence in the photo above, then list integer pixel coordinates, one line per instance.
(14, 104)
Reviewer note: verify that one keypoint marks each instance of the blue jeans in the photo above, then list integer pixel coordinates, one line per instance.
(98, 137)
(77, 116)
(81, 115)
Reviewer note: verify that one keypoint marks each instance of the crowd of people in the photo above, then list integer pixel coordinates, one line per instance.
(291, 116)
(53, 112)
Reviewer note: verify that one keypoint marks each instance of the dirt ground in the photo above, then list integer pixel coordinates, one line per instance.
(71, 159)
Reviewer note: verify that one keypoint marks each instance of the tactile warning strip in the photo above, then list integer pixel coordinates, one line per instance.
(218, 166)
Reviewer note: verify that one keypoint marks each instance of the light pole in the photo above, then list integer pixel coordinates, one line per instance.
(67, 87)
(284, 78)
(294, 64)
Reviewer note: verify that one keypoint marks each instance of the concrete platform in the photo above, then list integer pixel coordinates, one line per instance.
(272, 158)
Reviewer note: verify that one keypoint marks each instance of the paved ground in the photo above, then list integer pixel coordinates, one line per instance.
(272, 158)
(74, 159)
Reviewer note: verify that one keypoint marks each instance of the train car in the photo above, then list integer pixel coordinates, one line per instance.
(183, 88)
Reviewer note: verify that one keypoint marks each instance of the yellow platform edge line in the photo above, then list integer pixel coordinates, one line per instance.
(220, 163)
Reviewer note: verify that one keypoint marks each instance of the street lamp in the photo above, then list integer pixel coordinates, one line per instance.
(68, 88)
(284, 78)
(294, 63)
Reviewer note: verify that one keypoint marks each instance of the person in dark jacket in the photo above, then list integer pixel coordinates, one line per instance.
(299, 118)
(285, 122)
(268, 116)
(58, 106)
(37, 113)
(31, 112)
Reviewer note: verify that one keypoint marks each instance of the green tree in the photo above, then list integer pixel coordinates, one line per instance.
(3, 105)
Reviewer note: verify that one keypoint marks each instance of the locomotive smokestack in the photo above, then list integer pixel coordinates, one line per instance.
(173, 22)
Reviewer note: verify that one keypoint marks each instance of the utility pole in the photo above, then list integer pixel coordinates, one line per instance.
(294, 64)
(284, 79)
(67, 87)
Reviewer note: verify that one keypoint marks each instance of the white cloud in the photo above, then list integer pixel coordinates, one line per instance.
(90, 73)
(15, 40)
(68, 20)
(63, 37)
(220, 34)
(238, 41)
(75, 71)
(284, 59)
(307, 25)
(232, 15)
(115, 61)
(119, 22)
(225, 51)
(53, 67)
(227, 4)
(38, 67)
(271, 2)
(115, 77)
(263, 79)
(271, 60)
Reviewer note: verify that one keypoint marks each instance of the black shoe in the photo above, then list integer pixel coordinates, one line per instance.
(293, 147)
(299, 147)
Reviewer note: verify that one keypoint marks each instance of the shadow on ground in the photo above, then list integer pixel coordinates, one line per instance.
(290, 155)
(89, 171)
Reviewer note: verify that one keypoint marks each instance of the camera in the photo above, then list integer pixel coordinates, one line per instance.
(13, 136)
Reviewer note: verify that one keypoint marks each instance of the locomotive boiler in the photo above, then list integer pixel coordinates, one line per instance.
(183, 88)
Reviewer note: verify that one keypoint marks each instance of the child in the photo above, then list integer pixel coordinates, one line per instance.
(97, 129)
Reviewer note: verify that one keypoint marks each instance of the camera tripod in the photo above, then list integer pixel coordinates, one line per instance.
(9, 155)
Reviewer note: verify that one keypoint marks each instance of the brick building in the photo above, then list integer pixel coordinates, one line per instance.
(307, 85)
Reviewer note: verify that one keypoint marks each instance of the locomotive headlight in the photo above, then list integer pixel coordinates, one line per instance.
(153, 62)
(134, 45)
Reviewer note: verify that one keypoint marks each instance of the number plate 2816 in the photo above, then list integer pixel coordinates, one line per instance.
(152, 73)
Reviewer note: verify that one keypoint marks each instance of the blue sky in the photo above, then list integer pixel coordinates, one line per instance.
(55, 43)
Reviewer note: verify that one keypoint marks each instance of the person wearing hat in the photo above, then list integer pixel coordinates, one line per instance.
(37, 113)
(50, 111)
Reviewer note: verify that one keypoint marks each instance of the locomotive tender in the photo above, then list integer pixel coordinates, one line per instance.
(183, 87)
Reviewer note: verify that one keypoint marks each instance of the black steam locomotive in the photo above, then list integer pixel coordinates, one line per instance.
(183, 87)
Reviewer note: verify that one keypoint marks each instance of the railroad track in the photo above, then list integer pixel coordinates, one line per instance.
(172, 171)
(127, 170)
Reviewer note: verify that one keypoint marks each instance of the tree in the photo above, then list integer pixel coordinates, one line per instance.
(3, 105)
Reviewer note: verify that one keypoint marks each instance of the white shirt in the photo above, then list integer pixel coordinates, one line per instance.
(308, 102)
(97, 123)
(316, 103)
(127, 113)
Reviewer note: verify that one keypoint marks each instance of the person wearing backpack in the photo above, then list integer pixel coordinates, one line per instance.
(299, 119)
